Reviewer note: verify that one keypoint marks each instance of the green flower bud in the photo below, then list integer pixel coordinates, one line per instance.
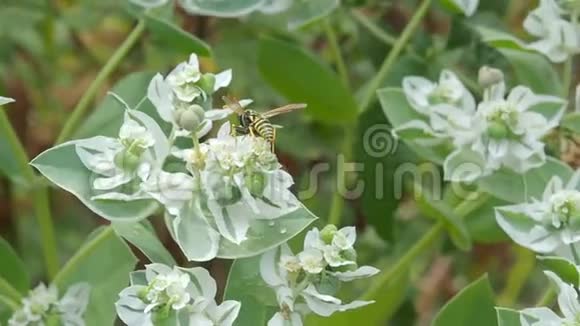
(256, 183)
(127, 160)
(190, 117)
(489, 76)
(207, 83)
(327, 234)
(228, 195)
(345, 268)
(497, 130)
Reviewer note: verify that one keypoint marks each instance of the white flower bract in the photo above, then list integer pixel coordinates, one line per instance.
(546, 224)
(43, 302)
(294, 277)
(164, 293)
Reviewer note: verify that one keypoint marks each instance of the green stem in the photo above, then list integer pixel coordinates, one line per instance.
(337, 202)
(517, 277)
(40, 197)
(575, 254)
(81, 254)
(375, 30)
(83, 104)
(335, 50)
(547, 298)
(44, 220)
(391, 58)
(568, 71)
(424, 244)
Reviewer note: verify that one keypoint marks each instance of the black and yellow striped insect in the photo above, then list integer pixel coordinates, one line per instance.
(258, 124)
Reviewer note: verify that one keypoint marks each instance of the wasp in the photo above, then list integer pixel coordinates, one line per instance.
(258, 124)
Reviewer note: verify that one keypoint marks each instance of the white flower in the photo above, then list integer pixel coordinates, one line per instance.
(181, 97)
(43, 302)
(505, 132)
(241, 180)
(567, 301)
(5, 100)
(161, 292)
(299, 277)
(141, 146)
(545, 225)
(468, 7)
(558, 38)
(423, 94)
(311, 261)
(335, 244)
(447, 108)
(173, 190)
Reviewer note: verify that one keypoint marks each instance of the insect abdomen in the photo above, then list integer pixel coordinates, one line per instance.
(264, 128)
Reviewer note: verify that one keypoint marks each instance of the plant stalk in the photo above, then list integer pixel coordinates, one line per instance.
(79, 111)
(40, 197)
(400, 44)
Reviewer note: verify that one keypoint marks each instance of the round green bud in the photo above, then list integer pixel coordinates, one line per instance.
(256, 183)
(207, 83)
(349, 254)
(127, 160)
(327, 234)
(188, 120)
(228, 195)
(198, 111)
(497, 130)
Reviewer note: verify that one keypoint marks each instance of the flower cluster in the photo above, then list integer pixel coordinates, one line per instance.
(43, 304)
(178, 296)
(222, 184)
(546, 224)
(500, 131)
(314, 274)
(567, 301)
(554, 23)
(183, 98)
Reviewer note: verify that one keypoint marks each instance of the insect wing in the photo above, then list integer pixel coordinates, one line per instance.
(283, 109)
(233, 105)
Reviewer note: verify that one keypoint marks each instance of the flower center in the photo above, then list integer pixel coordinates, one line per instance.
(499, 121)
(565, 206)
(443, 94)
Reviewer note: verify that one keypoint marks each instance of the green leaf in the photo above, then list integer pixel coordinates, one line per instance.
(535, 71)
(398, 111)
(12, 268)
(221, 8)
(62, 166)
(499, 39)
(562, 267)
(571, 122)
(263, 235)
(301, 77)
(515, 188)
(438, 210)
(246, 285)
(507, 317)
(172, 36)
(306, 12)
(387, 301)
(107, 117)
(482, 225)
(104, 262)
(473, 306)
(142, 235)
